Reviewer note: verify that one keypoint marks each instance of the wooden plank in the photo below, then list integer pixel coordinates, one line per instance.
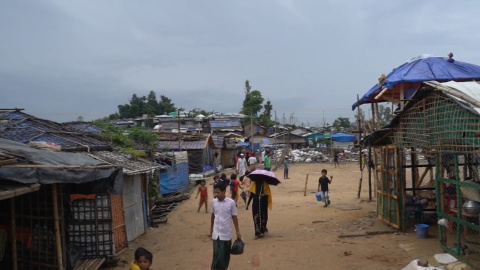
(89, 264)
(305, 191)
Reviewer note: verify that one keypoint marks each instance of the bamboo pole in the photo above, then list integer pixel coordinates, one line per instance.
(373, 117)
(58, 241)
(369, 174)
(360, 184)
(13, 234)
(359, 119)
(305, 191)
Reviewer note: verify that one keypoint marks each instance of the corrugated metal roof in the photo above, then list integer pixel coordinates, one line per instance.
(225, 124)
(218, 140)
(300, 131)
(21, 127)
(189, 143)
(130, 166)
(83, 127)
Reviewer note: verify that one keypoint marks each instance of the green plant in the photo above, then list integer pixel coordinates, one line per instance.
(141, 136)
(153, 190)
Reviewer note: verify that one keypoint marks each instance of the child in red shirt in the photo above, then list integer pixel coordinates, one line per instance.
(202, 190)
(234, 183)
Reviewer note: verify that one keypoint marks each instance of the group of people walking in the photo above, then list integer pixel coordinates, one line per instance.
(224, 213)
(224, 209)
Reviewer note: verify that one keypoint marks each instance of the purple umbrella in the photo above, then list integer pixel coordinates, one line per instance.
(267, 176)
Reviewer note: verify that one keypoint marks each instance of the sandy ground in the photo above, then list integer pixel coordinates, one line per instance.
(303, 234)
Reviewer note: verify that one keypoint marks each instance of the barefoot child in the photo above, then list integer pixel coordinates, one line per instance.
(202, 190)
(143, 259)
(323, 183)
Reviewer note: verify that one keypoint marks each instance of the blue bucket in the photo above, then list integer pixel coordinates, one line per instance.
(319, 196)
(422, 230)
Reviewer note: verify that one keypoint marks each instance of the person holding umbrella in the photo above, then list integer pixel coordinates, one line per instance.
(262, 199)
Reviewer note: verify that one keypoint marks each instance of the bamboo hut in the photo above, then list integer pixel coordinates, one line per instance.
(427, 159)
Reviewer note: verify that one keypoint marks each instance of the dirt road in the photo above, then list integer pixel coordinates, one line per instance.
(302, 233)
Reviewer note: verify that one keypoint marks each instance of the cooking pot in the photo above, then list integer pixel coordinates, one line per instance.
(471, 207)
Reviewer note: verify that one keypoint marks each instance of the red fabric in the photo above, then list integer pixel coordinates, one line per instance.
(74, 197)
(203, 192)
(237, 183)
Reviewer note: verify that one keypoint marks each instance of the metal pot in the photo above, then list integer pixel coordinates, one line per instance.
(471, 207)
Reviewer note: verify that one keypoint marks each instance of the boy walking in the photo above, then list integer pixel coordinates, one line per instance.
(224, 213)
(323, 183)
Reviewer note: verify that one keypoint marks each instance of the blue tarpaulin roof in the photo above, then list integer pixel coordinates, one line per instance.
(420, 69)
(342, 137)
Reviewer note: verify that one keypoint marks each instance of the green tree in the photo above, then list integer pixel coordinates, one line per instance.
(342, 122)
(265, 121)
(252, 103)
(267, 109)
(124, 111)
(114, 116)
(247, 87)
(166, 105)
(153, 107)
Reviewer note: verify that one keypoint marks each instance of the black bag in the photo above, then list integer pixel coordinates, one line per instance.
(237, 247)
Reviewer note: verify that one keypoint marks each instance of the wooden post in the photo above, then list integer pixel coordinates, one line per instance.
(369, 173)
(402, 96)
(360, 185)
(13, 233)
(359, 119)
(305, 191)
(373, 117)
(58, 240)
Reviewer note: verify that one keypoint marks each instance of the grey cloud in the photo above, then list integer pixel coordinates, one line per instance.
(309, 58)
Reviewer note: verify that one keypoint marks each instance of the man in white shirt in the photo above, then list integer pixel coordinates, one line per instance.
(224, 213)
(242, 165)
(253, 163)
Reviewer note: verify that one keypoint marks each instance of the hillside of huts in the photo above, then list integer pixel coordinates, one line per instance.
(73, 196)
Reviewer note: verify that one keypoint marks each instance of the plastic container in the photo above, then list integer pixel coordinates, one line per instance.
(319, 196)
(422, 230)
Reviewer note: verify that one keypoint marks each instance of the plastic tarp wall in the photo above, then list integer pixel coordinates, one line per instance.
(48, 167)
(175, 177)
(209, 162)
(195, 161)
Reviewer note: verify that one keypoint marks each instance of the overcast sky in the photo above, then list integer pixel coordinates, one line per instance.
(63, 59)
